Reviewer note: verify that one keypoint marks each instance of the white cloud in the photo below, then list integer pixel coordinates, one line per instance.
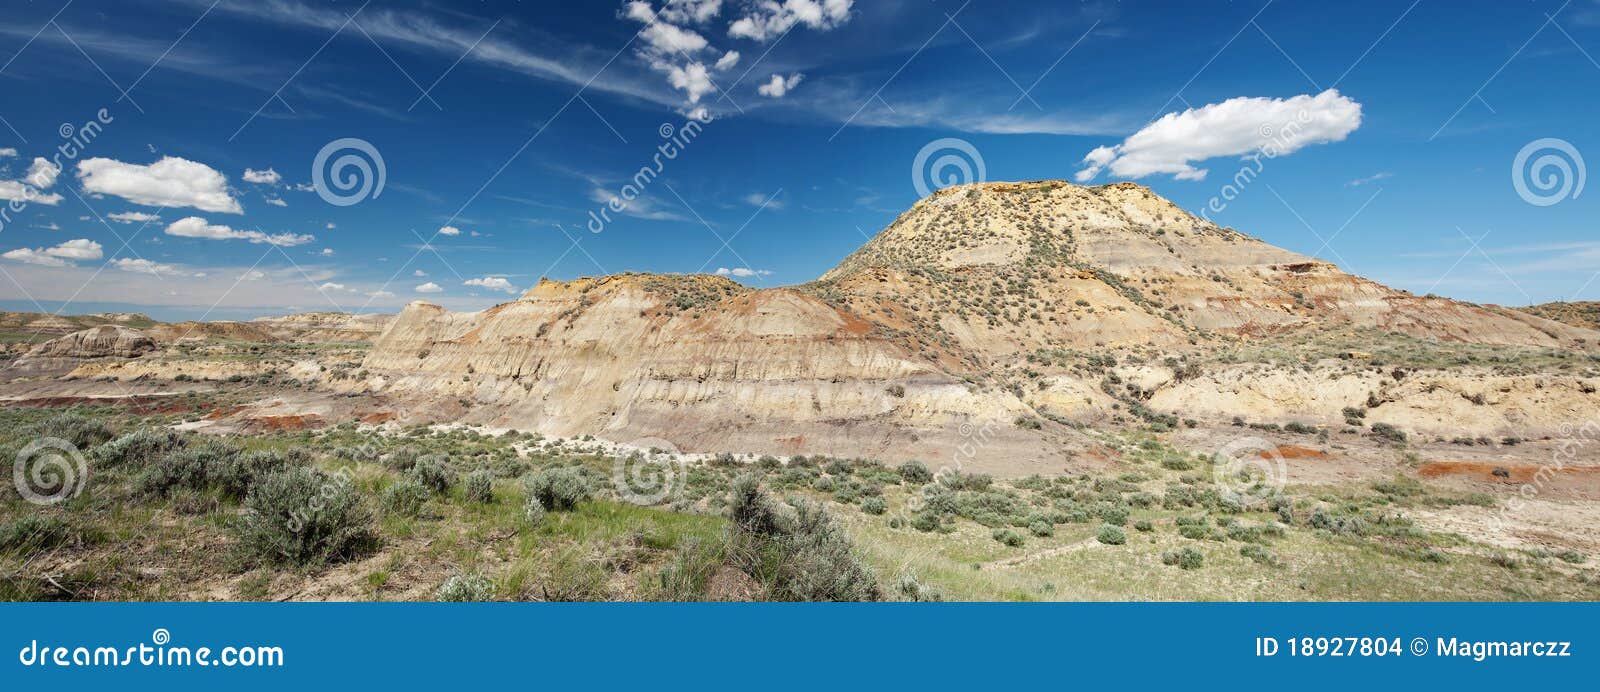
(1235, 127)
(7, 152)
(449, 231)
(266, 177)
(672, 49)
(779, 85)
(170, 182)
(252, 275)
(742, 272)
(493, 283)
(77, 249)
(132, 217)
(331, 286)
(691, 11)
(327, 252)
(429, 287)
(669, 38)
(196, 227)
(727, 61)
(692, 79)
(62, 255)
(767, 20)
(1375, 177)
(380, 294)
(277, 202)
(757, 199)
(41, 176)
(144, 266)
(419, 272)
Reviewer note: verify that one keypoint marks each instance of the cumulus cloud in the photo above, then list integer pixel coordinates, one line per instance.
(767, 19)
(449, 231)
(742, 272)
(170, 182)
(668, 46)
(144, 266)
(327, 252)
(196, 227)
(419, 272)
(7, 152)
(41, 176)
(779, 85)
(132, 217)
(493, 283)
(429, 287)
(63, 255)
(1235, 127)
(266, 177)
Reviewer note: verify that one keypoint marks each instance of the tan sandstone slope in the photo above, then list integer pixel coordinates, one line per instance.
(980, 310)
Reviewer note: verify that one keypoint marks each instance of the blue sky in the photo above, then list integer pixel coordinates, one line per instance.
(510, 122)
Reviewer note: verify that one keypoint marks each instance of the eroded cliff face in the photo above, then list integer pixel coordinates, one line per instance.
(957, 328)
(700, 362)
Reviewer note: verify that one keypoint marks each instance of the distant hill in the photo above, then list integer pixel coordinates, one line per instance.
(1584, 314)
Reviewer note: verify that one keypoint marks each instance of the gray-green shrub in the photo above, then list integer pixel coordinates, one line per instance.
(559, 489)
(303, 516)
(479, 486)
